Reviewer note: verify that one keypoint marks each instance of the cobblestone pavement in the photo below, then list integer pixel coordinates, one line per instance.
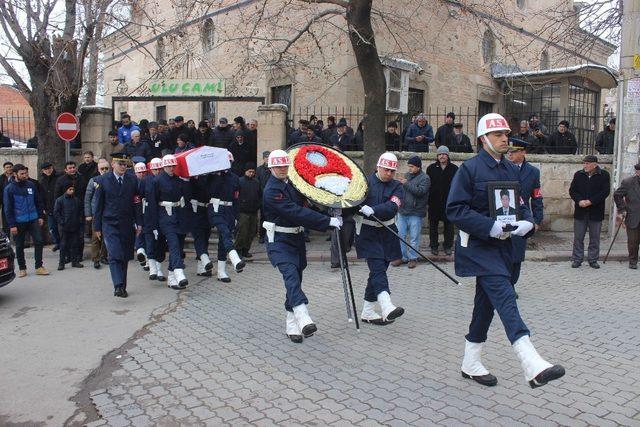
(222, 357)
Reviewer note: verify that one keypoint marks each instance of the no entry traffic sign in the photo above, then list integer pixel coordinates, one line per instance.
(67, 126)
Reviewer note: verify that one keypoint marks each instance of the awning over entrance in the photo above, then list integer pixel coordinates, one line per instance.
(601, 75)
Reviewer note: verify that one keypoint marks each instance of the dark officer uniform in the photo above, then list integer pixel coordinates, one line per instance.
(489, 259)
(224, 186)
(377, 244)
(283, 206)
(531, 195)
(118, 210)
(174, 227)
(200, 228)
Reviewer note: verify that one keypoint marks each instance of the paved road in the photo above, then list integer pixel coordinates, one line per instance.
(221, 356)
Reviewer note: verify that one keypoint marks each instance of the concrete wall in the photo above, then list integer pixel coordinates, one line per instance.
(95, 123)
(25, 156)
(556, 173)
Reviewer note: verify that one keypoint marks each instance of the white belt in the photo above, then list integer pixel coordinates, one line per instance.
(195, 204)
(170, 205)
(144, 204)
(359, 220)
(216, 203)
(272, 228)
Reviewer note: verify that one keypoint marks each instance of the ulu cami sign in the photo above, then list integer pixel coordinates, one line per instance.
(187, 87)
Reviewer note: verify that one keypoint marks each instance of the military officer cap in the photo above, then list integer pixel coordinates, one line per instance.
(517, 144)
(120, 157)
(138, 159)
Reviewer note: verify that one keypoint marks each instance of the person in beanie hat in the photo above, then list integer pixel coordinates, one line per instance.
(68, 212)
(589, 189)
(412, 210)
(441, 173)
(445, 134)
(392, 137)
(562, 141)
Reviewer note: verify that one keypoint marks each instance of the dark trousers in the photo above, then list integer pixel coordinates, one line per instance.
(70, 245)
(377, 281)
(225, 240)
(98, 248)
(433, 234)
(247, 227)
(292, 276)
(53, 229)
(201, 239)
(175, 242)
(580, 227)
(633, 241)
(118, 270)
(140, 242)
(515, 273)
(495, 293)
(346, 240)
(34, 229)
(155, 249)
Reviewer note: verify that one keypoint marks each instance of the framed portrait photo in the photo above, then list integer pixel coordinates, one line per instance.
(504, 197)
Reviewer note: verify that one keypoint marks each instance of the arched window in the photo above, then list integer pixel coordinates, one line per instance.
(521, 4)
(160, 51)
(208, 34)
(488, 47)
(545, 63)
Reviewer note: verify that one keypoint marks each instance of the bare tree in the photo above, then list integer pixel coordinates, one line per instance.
(51, 38)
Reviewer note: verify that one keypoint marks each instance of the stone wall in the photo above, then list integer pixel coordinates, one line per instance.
(25, 156)
(95, 123)
(556, 173)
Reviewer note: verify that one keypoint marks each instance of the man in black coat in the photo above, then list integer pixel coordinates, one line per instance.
(562, 141)
(441, 173)
(444, 134)
(249, 201)
(606, 138)
(392, 137)
(222, 135)
(242, 152)
(330, 130)
(461, 142)
(69, 214)
(203, 134)
(589, 190)
(48, 178)
(89, 168)
(180, 128)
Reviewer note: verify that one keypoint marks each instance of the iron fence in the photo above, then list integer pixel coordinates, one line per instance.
(19, 126)
(585, 127)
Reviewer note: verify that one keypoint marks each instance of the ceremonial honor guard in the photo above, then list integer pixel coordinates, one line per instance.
(155, 243)
(170, 216)
(376, 244)
(484, 250)
(222, 212)
(285, 218)
(531, 196)
(200, 228)
(117, 218)
(140, 169)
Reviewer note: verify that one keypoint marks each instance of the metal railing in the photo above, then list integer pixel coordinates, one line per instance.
(19, 126)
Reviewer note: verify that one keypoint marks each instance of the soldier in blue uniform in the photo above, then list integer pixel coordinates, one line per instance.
(140, 169)
(117, 218)
(285, 218)
(378, 245)
(483, 250)
(531, 195)
(200, 228)
(168, 200)
(155, 243)
(222, 211)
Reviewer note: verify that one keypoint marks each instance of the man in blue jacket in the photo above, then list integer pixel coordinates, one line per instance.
(484, 250)
(285, 218)
(419, 135)
(24, 211)
(531, 196)
(124, 132)
(378, 245)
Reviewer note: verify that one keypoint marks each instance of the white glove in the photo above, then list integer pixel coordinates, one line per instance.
(366, 210)
(523, 227)
(155, 234)
(497, 233)
(336, 222)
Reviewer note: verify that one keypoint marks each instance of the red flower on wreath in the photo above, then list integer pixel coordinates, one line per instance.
(309, 170)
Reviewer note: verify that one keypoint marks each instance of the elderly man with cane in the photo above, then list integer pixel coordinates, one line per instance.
(627, 199)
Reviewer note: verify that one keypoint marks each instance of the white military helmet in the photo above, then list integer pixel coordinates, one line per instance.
(492, 122)
(278, 158)
(169, 160)
(155, 163)
(140, 167)
(388, 161)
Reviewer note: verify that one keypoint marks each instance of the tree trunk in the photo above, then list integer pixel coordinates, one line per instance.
(92, 74)
(371, 71)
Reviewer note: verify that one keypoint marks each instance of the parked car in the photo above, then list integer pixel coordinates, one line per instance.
(7, 258)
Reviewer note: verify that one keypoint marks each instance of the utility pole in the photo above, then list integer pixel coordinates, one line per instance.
(628, 114)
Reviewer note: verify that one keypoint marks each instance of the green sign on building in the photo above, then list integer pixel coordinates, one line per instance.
(187, 87)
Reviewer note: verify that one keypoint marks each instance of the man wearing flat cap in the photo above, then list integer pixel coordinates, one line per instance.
(562, 141)
(589, 189)
(627, 198)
